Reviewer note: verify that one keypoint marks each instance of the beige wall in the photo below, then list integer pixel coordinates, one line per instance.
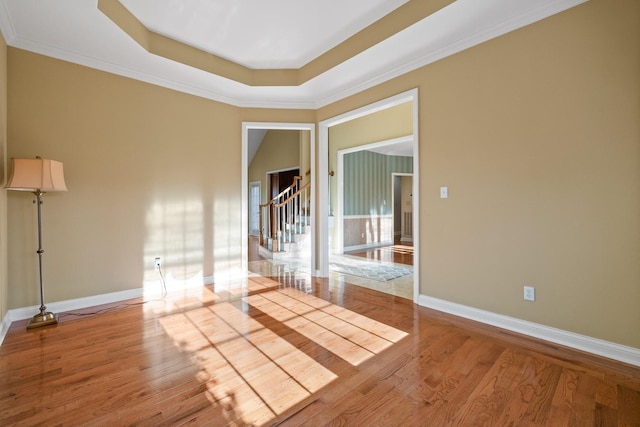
(280, 150)
(150, 171)
(536, 135)
(3, 175)
(305, 156)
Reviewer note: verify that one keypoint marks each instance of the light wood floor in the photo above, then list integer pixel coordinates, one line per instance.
(260, 352)
(399, 253)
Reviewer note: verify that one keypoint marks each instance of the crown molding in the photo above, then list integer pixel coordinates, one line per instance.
(113, 68)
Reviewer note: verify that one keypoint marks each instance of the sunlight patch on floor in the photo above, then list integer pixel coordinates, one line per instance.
(248, 370)
(350, 336)
(253, 374)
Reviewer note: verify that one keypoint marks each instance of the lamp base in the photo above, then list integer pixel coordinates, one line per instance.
(43, 319)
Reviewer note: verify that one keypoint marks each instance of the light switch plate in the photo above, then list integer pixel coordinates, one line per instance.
(529, 293)
(444, 192)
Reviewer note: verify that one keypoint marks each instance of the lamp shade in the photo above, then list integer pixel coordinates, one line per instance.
(36, 175)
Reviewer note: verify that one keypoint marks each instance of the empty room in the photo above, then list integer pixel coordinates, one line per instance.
(372, 212)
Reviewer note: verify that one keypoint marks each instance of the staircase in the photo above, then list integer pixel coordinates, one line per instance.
(285, 223)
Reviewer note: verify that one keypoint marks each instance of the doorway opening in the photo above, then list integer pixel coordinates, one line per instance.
(302, 165)
(332, 224)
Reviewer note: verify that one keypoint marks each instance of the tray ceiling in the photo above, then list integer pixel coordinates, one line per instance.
(276, 54)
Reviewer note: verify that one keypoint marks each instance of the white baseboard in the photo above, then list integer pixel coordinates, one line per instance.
(92, 301)
(597, 346)
(68, 305)
(4, 327)
(367, 246)
(75, 304)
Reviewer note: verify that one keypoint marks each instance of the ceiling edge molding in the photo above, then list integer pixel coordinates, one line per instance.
(457, 46)
(6, 26)
(301, 102)
(175, 50)
(111, 68)
(389, 25)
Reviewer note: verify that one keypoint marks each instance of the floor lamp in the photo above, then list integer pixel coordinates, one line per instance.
(38, 176)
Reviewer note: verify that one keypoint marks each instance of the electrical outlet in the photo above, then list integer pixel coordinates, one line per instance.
(157, 262)
(529, 293)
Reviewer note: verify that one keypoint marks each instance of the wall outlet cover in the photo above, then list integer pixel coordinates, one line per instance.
(529, 293)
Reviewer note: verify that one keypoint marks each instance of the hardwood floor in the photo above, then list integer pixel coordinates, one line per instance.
(399, 253)
(260, 352)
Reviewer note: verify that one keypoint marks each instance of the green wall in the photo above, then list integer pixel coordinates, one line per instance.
(368, 186)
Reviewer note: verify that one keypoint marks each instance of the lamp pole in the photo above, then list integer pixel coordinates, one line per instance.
(43, 318)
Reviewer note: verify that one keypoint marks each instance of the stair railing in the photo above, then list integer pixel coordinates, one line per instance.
(283, 214)
(288, 215)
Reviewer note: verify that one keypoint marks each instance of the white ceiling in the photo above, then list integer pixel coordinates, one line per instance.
(404, 148)
(261, 34)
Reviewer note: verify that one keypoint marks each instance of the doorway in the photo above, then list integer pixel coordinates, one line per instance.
(325, 217)
(263, 127)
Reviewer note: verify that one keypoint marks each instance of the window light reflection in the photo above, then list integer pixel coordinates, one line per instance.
(351, 336)
(245, 366)
(253, 375)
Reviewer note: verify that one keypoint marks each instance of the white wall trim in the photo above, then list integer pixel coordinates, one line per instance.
(367, 246)
(4, 326)
(366, 216)
(85, 302)
(591, 345)
(378, 144)
(596, 346)
(68, 305)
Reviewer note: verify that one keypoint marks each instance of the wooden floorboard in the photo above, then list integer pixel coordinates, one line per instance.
(399, 253)
(260, 352)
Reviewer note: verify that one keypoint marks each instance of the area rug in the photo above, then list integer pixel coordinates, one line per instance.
(370, 270)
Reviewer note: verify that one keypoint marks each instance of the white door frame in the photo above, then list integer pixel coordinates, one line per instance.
(259, 185)
(246, 126)
(323, 185)
(393, 198)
